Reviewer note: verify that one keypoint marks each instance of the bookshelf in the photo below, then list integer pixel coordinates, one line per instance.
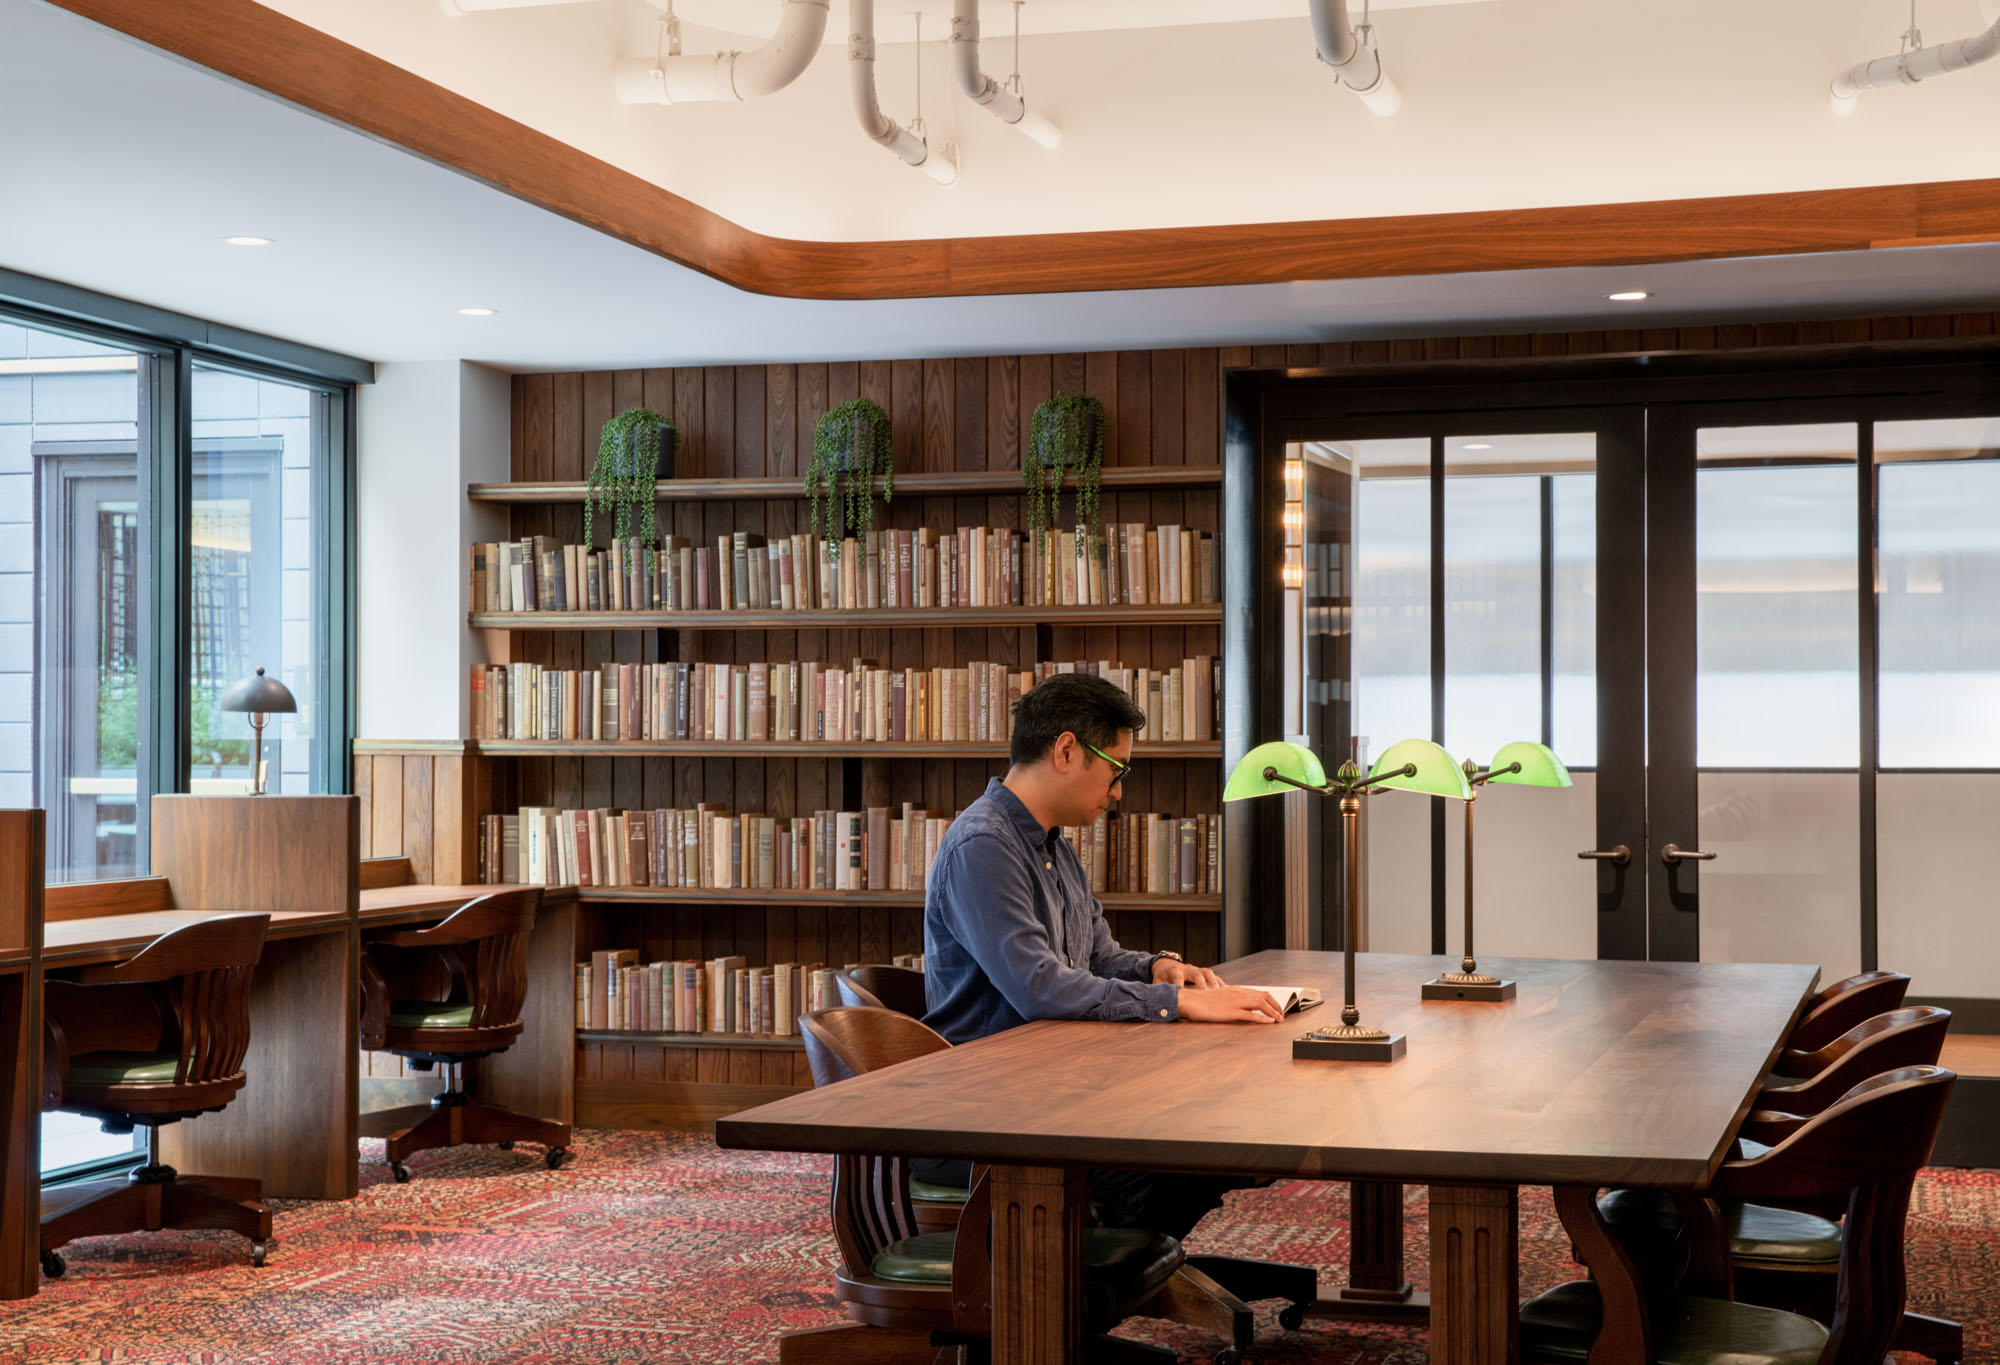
(745, 432)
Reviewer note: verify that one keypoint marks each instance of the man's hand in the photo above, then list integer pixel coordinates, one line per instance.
(1167, 972)
(1228, 1005)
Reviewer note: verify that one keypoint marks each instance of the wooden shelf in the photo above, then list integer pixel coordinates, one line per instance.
(723, 490)
(789, 1041)
(702, 748)
(696, 895)
(903, 618)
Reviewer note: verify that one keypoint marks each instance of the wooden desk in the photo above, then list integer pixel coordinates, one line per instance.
(1597, 1073)
(537, 1075)
(21, 872)
(294, 1125)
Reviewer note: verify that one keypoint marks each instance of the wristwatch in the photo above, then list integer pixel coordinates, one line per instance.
(1170, 954)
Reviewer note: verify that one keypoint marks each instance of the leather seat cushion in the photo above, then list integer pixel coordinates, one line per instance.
(429, 1014)
(123, 1068)
(1561, 1325)
(1122, 1267)
(938, 1194)
(1781, 1236)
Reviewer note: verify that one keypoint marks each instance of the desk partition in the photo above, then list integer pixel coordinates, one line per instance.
(21, 852)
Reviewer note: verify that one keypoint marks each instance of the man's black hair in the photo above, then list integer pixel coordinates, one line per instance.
(1090, 708)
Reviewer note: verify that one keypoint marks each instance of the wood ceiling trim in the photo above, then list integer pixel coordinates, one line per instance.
(261, 48)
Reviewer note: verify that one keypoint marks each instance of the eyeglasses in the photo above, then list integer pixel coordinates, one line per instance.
(1118, 770)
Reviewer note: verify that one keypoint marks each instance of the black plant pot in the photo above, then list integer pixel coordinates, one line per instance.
(663, 467)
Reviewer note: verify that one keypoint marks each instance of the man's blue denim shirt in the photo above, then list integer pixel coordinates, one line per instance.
(1012, 933)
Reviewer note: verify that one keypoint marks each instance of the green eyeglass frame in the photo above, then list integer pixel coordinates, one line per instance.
(1118, 770)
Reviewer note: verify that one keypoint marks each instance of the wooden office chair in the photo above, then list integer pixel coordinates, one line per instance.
(1788, 1258)
(452, 993)
(1857, 1160)
(152, 1040)
(887, 1237)
(885, 987)
(1837, 1008)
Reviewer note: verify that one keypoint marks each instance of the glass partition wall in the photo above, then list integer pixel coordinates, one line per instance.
(1763, 634)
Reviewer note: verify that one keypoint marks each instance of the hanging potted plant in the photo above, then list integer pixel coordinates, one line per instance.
(635, 448)
(851, 446)
(1066, 435)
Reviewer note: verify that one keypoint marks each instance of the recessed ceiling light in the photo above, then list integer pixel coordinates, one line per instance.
(1628, 296)
(477, 312)
(1478, 445)
(247, 241)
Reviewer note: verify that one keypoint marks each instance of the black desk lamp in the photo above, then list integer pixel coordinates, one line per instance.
(263, 698)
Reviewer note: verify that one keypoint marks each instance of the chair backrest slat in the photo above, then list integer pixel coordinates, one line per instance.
(1839, 1007)
(1905, 1037)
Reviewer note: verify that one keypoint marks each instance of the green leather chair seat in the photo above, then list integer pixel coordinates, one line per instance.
(1650, 1218)
(1561, 1325)
(938, 1194)
(429, 1014)
(1122, 1267)
(123, 1068)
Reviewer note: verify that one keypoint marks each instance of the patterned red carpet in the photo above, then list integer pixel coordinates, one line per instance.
(659, 1247)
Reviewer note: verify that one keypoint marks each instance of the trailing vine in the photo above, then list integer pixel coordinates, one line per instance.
(1066, 433)
(851, 446)
(622, 479)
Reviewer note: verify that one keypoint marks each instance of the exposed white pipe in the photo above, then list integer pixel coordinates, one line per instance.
(982, 89)
(1908, 68)
(458, 9)
(1357, 64)
(673, 78)
(875, 123)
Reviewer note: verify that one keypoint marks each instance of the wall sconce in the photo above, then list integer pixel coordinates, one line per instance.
(1295, 480)
(1294, 572)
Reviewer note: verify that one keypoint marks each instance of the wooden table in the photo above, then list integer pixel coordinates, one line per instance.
(1598, 1073)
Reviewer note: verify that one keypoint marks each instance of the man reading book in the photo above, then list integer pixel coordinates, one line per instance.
(1012, 933)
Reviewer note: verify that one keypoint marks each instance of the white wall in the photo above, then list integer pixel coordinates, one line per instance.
(425, 431)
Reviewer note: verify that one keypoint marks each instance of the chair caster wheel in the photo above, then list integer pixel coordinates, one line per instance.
(556, 1157)
(257, 1250)
(1292, 1316)
(53, 1265)
(1229, 1355)
(505, 1144)
(400, 1172)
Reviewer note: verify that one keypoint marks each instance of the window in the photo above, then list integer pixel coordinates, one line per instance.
(145, 565)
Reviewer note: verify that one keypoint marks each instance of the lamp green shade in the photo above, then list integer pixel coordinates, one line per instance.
(1437, 772)
(1283, 757)
(1539, 766)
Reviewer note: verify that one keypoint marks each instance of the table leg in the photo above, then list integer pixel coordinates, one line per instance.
(1625, 1337)
(1037, 1264)
(1376, 1289)
(1475, 1275)
(20, 1133)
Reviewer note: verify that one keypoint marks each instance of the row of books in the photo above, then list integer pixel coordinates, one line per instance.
(881, 848)
(1132, 564)
(765, 702)
(614, 990)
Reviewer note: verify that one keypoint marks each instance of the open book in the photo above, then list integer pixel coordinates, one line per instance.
(1292, 999)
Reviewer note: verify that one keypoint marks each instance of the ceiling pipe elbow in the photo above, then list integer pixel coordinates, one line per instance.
(868, 109)
(727, 76)
(1912, 68)
(982, 89)
(1357, 64)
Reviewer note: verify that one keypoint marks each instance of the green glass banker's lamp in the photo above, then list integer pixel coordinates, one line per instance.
(1415, 765)
(1520, 764)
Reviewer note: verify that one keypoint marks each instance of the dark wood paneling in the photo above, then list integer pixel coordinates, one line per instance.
(22, 844)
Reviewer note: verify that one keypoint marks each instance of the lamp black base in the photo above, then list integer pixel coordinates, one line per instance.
(1442, 989)
(1388, 1049)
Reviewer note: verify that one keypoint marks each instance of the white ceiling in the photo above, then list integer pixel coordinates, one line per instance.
(123, 169)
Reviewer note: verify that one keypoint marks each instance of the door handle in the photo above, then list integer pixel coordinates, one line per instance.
(1671, 855)
(1617, 853)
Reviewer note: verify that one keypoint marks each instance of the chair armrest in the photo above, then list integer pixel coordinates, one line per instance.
(374, 1006)
(55, 1062)
(1770, 1126)
(972, 1260)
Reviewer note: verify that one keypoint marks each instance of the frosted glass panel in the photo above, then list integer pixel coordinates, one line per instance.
(1534, 897)
(1934, 873)
(1785, 883)
(1392, 600)
(1493, 612)
(1939, 592)
(1573, 615)
(1777, 636)
(1397, 829)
